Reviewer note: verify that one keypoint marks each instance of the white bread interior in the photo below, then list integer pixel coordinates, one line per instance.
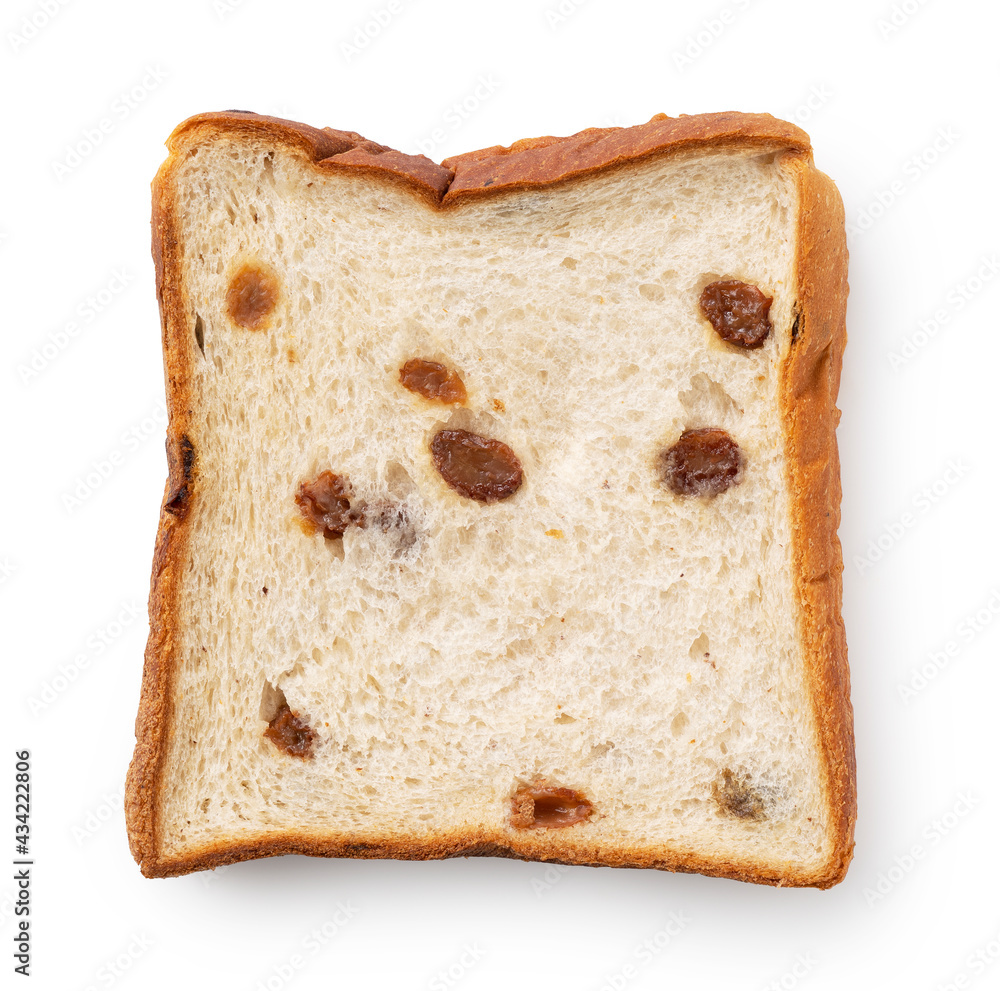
(636, 658)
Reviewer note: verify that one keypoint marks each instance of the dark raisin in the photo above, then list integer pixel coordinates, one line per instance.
(325, 503)
(702, 463)
(736, 798)
(251, 297)
(738, 312)
(433, 381)
(476, 467)
(289, 733)
(544, 807)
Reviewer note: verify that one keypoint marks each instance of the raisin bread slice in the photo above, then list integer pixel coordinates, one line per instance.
(502, 505)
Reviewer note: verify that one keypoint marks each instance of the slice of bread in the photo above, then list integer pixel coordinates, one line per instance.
(502, 510)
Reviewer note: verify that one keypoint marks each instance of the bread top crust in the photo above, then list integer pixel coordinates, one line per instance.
(808, 398)
(528, 163)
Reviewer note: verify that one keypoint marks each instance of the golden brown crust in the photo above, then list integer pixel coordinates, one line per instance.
(536, 162)
(811, 377)
(531, 162)
(468, 844)
(153, 720)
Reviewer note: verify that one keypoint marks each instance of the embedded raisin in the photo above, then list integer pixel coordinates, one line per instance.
(325, 503)
(394, 519)
(738, 312)
(432, 381)
(252, 296)
(289, 733)
(545, 807)
(476, 467)
(736, 798)
(702, 463)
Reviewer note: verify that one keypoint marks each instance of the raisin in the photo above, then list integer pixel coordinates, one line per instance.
(476, 467)
(738, 312)
(394, 519)
(325, 503)
(736, 798)
(289, 733)
(545, 807)
(251, 297)
(702, 463)
(433, 381)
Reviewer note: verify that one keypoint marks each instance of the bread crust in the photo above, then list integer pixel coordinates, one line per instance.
(810, 382)
(810, 379)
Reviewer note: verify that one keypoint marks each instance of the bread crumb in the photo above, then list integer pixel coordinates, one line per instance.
(554, 533)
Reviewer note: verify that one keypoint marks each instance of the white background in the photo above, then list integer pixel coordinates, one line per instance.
(902, 116)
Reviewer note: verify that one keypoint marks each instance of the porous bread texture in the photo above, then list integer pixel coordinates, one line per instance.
(594, 631)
